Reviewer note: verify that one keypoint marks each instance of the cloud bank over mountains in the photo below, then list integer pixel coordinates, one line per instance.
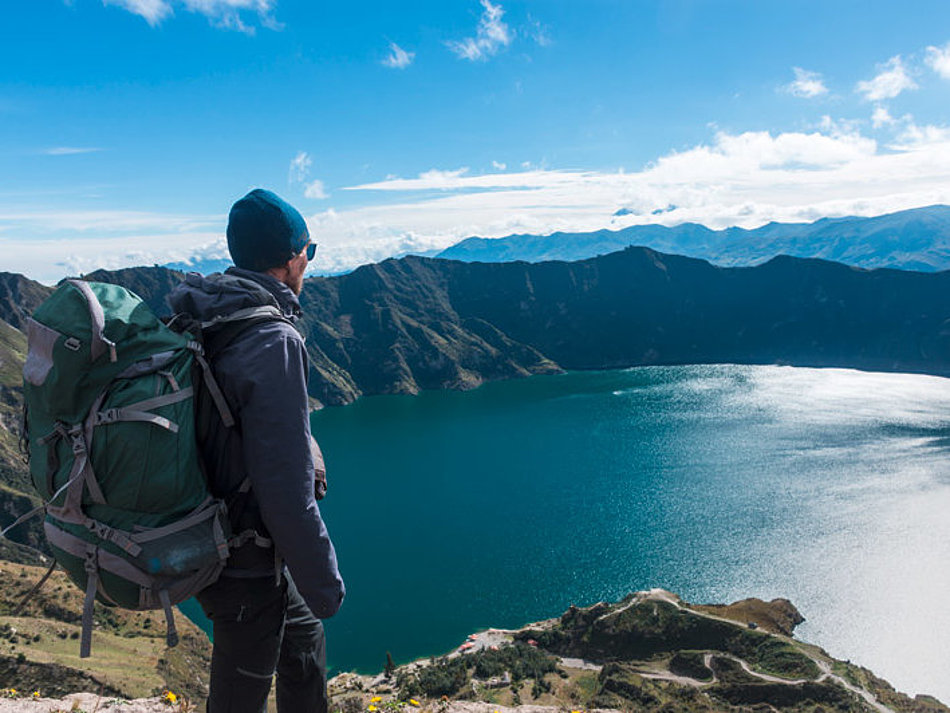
(744, 179)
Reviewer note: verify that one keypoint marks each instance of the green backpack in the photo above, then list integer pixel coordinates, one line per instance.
(110, 422)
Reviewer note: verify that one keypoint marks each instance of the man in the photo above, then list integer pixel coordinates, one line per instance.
(266, 616)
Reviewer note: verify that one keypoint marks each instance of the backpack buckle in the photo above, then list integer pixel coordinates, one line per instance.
(91, 565)
(78, 442)
(110, 415)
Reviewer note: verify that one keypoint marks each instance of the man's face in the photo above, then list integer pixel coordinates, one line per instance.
(295, 271)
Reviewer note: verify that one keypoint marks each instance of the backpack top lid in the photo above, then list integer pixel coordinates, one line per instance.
(80, 339)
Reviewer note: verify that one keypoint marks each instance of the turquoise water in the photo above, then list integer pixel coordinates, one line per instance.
(453, 511)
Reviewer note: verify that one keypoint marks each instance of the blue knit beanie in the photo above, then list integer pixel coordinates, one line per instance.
(265, 231)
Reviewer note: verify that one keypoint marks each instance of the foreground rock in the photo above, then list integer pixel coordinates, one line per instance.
(87, 702)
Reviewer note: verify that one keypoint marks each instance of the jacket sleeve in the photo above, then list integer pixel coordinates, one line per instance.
(275, 435)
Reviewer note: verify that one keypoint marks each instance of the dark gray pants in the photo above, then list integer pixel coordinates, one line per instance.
(262, 628)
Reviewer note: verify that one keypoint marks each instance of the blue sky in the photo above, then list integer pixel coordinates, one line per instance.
(128, 127)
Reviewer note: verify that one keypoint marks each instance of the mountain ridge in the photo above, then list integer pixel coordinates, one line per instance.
(414, 323)
(914, 239)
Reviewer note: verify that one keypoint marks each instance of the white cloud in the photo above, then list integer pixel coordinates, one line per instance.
(315, 190)
(539, 33)
(48, 243)
(938, 58)
(69, 150)
(881, 117)
(228, 14)
(491, 36)
(745, 179)
(889, 82)
(154, 11)
(428, 180)
(299, 168)
(398, 58)
(806, 84)
(915, 137)
(499, 166)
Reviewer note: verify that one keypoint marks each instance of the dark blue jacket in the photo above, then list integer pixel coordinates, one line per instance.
(263, 373)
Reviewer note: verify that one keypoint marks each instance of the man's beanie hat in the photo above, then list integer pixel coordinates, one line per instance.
(265, 231)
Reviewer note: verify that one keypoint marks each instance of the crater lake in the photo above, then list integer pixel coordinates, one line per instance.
(457, 511)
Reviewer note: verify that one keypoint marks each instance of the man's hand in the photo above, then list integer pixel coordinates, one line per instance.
(319, 470)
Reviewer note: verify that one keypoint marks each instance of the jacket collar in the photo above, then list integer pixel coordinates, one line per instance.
(286, 299)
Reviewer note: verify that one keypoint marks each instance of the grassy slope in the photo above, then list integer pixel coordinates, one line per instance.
(129, 654)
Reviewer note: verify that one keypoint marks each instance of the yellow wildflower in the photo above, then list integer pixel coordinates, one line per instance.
(169, 698)
(375, 699)
(413, 702)
(36, 694)
(373, 708)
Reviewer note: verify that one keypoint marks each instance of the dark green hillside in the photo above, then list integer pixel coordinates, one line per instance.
(404, 325)
(19, 296)
(16, 491)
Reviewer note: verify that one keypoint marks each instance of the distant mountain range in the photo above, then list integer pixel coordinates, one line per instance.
(917, 239)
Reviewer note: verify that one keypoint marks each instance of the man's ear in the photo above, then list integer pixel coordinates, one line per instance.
(280, 272)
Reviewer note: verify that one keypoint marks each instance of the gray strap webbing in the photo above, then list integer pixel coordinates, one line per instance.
(89, 430)
(59, 492)
(170, 378)
(171, 638)
(97, 317)
(220, 541)
(249, 536)
(140, 411)
(36, 588)
(212, 385)
(125, 415)
(242, 314)
(92, 584)
(159, 401)
(148, 365)
(117, 537)
(23, 518)
(81, 466)
(107, 561)
(199, 514)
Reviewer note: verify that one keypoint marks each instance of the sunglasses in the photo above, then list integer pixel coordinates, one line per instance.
(311, 251)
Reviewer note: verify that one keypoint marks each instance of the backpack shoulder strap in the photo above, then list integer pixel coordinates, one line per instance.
(219, 334)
